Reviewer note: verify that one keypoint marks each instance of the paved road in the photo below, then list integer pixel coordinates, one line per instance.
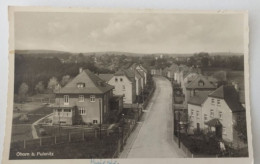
(152, 137)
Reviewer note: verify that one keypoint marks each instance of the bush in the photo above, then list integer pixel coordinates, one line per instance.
(24, 118)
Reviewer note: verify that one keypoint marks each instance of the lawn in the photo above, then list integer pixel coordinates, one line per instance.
(21, 132)
(88, 148)
(34, 115)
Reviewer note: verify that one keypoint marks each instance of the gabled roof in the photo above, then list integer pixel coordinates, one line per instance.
(93, 84)
(195, 84)
(106, 77)
(141, 73)
(173, 67)
(137, 74)
(135, 65)
(230, 95)
(129, 74)
(213, 122)
(199, 98)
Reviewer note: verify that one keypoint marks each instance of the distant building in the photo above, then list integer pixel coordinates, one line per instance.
(198, 84)
(143, 71)
(170, 71)
(85, 99)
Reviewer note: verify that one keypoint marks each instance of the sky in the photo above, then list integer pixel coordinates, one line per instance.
(129, 32)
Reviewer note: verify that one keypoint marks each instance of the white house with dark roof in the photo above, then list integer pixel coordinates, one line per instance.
(217, 112)
(124, 82)
(197, 85)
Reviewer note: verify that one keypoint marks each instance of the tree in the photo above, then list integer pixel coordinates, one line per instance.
(53, 84)
(23, 91)
(39, 88)
(65, 79)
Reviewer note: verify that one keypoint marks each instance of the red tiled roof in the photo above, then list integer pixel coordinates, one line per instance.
(230, 95)
(93, 84)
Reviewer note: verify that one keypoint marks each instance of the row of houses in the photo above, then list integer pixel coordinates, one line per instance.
(92, 99)
(210, 105)
(129, 82)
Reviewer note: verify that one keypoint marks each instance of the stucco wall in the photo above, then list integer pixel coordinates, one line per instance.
(92, 108)
(129, 92)
(195, 118)
(227, 118)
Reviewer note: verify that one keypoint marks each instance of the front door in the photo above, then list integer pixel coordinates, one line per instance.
(219, 131)
(198, 126)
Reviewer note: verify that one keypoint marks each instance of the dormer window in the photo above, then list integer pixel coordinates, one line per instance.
(201, 83)
(81, 85)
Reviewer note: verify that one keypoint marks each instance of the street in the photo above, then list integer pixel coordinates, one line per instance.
(152, 137)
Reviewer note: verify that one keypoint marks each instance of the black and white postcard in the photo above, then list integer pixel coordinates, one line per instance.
(111, 86)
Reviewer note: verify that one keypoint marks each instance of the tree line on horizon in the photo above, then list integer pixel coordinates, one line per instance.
(40, 74)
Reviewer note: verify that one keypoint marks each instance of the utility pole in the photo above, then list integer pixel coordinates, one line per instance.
(179, 129)
(123, 127)
(100, 136)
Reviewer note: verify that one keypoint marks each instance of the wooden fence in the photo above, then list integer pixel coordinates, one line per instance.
(86, 136)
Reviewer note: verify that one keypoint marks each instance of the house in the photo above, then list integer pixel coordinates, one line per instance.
(170, 71)
(141, 70)
(156, 71)
(139, 80)
(188, 77)
(218, 113)
(124, 84)
(195, 104)
(179, 74)
(199, 84)
(85, 99)
(144, 71)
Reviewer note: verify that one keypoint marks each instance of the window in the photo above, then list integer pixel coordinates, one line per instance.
(95, 121)
(80, 85)
(197, 114)
(218, 102)
(192, 112)
(211, 113)
(66, 99)
(224, 131)
(212, 101)
(220, 115)
(92, 98)
(67, 112)
(81, 98)
(201, 83)
(205, 117)
(121, 79)
(116, 79)
(123, 87)
(82, 111)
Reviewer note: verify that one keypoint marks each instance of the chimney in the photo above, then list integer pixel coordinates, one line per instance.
(80, 69)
